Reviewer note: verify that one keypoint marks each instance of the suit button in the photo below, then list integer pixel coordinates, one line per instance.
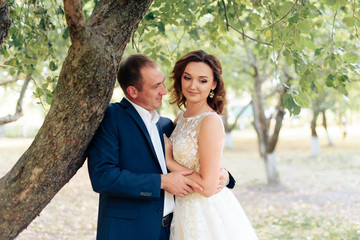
(160, 211)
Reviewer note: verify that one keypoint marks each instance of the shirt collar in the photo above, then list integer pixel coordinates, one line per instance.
(147, 117)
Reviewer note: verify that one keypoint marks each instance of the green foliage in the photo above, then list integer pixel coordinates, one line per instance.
(37, 44)
(318, 39)
(33, 46)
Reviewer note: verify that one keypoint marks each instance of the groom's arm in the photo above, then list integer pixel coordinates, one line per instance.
(225, 180)
(231, 181)
(106, 175)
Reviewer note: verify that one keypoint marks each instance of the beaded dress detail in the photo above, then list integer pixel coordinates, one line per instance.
(195, 216)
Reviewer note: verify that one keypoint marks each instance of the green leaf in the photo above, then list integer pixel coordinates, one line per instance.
(330, 2)
(351, 57)
(60, 11)
(48, 99)
(53, 66)
(161, 27)
(344, 78)
(355, 67)
(294, 18)
(255, 19)
(66, 34)
(305, 27)
(302, 100)
(285, 8)
(329, 80)
(42, 24)
(223, 48)
(318, 51)
(309, 43)
(349, 21)
(149, 16)
(4, 53)
(291, 105)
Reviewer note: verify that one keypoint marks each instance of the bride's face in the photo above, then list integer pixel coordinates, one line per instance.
(196, 82)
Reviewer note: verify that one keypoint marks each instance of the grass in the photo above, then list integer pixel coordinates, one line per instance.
(318, 198)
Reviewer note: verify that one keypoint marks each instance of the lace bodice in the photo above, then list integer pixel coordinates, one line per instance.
(185, 140)
(196, 216)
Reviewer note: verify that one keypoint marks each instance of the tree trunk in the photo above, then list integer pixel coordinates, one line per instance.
(229, 143)
(262, 123)
(315, 145)
(5, 20)
(81, 96)
(272, 173)
(331, 143)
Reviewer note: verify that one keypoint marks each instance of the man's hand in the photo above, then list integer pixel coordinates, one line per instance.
(223, 179)
(178, 184)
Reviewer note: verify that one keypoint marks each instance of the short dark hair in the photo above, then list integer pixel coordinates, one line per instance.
(129, 72)
(218, 102)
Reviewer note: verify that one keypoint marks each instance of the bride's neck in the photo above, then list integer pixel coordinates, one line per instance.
(196, 109)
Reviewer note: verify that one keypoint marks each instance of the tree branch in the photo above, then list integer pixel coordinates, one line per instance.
(18, 111)
(8, 81)
(253, 39)
(241, 32)
(113, 27)
(261, 30)
(238, 116)
(333, 26)
(75, 19)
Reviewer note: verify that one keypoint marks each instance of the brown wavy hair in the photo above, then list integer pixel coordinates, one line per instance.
(218, 102)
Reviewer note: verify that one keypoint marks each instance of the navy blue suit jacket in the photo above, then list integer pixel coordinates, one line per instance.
(124, 169)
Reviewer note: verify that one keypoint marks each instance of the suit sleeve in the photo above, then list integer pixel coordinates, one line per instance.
(232, 181)
(105, 173)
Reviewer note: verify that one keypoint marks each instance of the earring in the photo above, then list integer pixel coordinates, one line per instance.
(211, 94)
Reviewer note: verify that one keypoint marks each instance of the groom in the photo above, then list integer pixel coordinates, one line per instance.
(126, 159)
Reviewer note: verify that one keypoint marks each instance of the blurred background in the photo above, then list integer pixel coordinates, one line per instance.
(292, 121)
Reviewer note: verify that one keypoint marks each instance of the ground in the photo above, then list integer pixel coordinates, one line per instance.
(318, 198)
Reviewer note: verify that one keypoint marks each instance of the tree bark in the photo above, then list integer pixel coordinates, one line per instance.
(81, 96)
(331, 143)
(262, 123)
(315, 145)
(5, 21)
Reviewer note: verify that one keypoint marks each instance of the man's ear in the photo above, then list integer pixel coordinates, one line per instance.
(132, 91)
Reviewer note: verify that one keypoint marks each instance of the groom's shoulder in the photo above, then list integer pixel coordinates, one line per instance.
(166, 125)
(116, 107)
(165, 121)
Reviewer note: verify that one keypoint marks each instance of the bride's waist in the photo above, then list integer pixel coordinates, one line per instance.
(195, 195)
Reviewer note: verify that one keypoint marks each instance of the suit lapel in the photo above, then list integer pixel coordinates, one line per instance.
(129, 108)
(161, 136)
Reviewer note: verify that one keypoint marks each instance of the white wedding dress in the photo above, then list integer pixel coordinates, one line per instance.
(219, 217)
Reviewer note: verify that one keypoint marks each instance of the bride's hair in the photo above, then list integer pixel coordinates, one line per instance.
(218, 102)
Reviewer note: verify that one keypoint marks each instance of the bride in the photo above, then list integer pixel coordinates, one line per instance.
(197, 144)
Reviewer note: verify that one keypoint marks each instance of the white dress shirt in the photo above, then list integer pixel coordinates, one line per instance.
(150, 119)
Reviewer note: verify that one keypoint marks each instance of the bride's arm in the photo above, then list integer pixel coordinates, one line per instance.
(210, 148)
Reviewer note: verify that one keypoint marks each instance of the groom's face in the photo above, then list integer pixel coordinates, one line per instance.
(153, 88)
